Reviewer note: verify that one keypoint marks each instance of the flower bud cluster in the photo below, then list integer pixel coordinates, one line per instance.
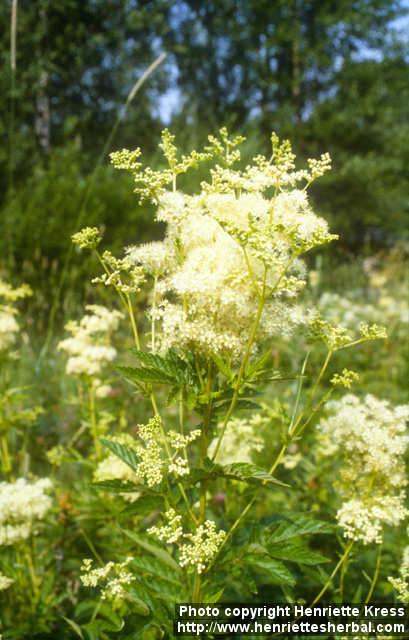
(336, 336)
(172, 531)
(202, 544)
(87, 238)
(113, 579)
(121, 273)
(153, 459)
(344, 379)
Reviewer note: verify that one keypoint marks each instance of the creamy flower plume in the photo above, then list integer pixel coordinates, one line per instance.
(22, 506)
(369, 437)
(234, 243)
(89, 347)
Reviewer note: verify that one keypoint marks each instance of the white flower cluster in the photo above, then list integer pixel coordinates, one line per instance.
(5, 582)
(8, 323)
(179, 465)
(154, 462)
(151, 466)
(202, 545)
(401, 584)
(22, 505)
(241, 439)
(369, 436)
(170, 532)
(89, 347)
(113, 578)
(229, 247)
(364, 518)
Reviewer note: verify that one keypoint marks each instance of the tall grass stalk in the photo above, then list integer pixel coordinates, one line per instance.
(108, 143)
(13, 71)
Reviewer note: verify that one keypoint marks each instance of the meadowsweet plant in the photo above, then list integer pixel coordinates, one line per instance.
(223, 289)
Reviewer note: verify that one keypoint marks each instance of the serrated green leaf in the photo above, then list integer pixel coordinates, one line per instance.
(146, 504)
(150, 566)
(276, 571)
(140, 375)
(123, 452)
(249, 473)
(169, 365)
(223, 366)
(258, 363)
(146, 543)
(296, 553)
(299, 526)
(117, 486)
(214, 597)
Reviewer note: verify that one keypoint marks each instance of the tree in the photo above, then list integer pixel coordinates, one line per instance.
(367, 195)
(274, 60)
(75, 64)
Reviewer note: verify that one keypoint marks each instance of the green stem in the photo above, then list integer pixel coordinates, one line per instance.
(249, 504)
(241, 372)
(93, 419)
(314, 411)
(292, 434)
(204, 443)
(375, 575)
(153, 336)
(127, 302)
(35, 580)
(313, 390)
(133, 321)
(251, 272)
(338, 566)
(5, 456)
(299, 389)
(246, 357)
(91, 546)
